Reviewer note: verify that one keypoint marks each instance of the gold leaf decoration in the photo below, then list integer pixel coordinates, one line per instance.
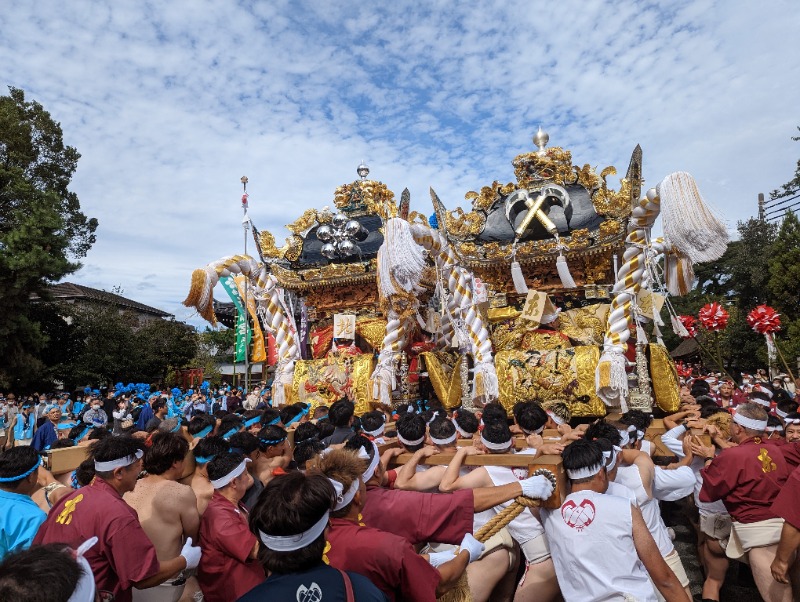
(304, 222)
(462, 225)
(610, 227)
(366, 195)
(266, 243)
(533, 169)
(293, 248)
(609, 203)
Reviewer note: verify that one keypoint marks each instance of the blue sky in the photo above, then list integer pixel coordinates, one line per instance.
(170, 103)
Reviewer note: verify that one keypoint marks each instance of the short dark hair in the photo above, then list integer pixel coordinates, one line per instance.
(531, 417)
(223, 464)
(245, 443)
(85, 472)
(16, 461)
(62, 443)
(341, 412)
(165, 449)
(442, 428)
(209, 447)
(602, 429)
(268, 415)
(229, 423)
(47, 573)
(159, 403)
(497, 432)
(307, 430)
(325, 429)
(372, 421)
(271, 435)
(305, 450)
(288, 413)
(199, 422)
(494, 411)
(113, 448)
(291, 504)
(357, 442)
(77, 430)
(466, 421)
(411, 427)
(582, 454)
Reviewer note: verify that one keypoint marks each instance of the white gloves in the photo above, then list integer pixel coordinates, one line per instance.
(191, 554)
(473, 546)
(538, 487)
(438, 558)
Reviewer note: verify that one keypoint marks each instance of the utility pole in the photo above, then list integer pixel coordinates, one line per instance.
(761, 206)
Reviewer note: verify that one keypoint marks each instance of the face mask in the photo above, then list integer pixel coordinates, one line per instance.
(94, 407)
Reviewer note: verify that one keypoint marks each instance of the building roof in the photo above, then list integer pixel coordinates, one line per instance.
(68, 291)
(687, 348)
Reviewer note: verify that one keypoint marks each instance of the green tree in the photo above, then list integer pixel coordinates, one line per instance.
(791, 187)
(42, 229)
(161, 345)
(784, 285)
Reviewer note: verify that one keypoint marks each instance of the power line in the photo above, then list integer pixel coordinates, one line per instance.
(782, 212)
(780, 201)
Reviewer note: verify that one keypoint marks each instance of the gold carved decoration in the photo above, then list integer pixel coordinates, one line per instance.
(532, 169)
(294, 247)
(609, 203)
(462, 225)
(545, 340)
(286, 278)
(304, 222)
(587, 177)
(372, 330)
(611, 227)
(488, 195)
(369, 195)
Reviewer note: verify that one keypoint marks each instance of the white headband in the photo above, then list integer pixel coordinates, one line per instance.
(433, 417)
(290, 543)
(774, 429)
(85, 588)
(762, 402)
(584, 473)
(780, 413)
(559, 421)
(376, 457)
(789, 421)
(496, 446)
(377, 432)
(461, 431)
(450, 439)
(119, 463)
(222, 481)
(536, 432)
(750, 423)
(344, 497)
(611, 457)
(408, 442)
(625, 438)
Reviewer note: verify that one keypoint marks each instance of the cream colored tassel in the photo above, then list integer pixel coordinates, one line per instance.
(519, 278)
(563, 272)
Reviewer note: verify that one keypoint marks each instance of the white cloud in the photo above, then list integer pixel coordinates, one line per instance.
(171, 103)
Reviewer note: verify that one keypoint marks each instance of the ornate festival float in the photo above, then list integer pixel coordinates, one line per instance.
(548, 288)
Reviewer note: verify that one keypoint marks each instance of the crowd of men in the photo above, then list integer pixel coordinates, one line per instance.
(218, 496)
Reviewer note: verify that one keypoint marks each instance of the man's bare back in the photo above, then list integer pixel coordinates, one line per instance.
(167, 512)
(203, 490)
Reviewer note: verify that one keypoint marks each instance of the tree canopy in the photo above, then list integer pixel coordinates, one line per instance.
(42, 229)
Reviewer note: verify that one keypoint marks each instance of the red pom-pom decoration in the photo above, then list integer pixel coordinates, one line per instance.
(713, 316)
(764, 320)
(689, 324)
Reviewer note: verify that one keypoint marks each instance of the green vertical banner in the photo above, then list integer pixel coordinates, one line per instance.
(243, 333)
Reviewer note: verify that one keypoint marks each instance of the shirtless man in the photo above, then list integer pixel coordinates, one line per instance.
(167, 510)
(205, 451)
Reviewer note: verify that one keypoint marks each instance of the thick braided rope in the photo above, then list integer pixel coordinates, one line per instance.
(505, 516)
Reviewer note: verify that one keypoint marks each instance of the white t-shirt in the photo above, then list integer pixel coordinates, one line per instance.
(591, 543)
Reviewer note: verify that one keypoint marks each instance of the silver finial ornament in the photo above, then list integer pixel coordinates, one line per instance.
(362, 170)
(540, 140)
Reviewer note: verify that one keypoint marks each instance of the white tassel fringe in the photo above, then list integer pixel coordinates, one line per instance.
(519, 278)
(563, 272)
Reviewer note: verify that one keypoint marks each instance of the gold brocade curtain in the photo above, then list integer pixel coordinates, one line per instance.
(563, 374)
(664, 379)
(340, 374)
(445, 376)
(372, 330)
